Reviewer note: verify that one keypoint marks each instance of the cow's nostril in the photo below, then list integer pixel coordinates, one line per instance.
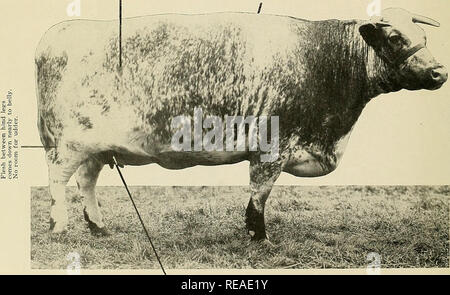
(439, 74)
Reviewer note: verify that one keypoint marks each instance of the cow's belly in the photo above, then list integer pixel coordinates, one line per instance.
(180, 160)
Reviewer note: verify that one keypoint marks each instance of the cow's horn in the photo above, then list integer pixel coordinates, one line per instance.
(379, 21)
(425, 20)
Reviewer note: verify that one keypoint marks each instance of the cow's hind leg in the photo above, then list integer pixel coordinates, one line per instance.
(62, 164)
(262, 177)
(86, 177)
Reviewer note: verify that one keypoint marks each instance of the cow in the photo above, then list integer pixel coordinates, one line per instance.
(101, 102)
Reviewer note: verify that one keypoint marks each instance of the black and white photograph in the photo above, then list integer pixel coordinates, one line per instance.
(211, 137)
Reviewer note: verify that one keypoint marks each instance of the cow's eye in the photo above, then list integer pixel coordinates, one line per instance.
(395, 39)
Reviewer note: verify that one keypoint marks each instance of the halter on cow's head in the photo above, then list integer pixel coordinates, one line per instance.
(401, 43)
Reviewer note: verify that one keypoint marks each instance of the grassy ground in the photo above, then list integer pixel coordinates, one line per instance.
(203, 227)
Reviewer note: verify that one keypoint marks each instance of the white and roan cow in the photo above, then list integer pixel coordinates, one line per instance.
(317, 76)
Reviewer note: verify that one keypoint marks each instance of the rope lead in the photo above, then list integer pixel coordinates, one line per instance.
(139, 215)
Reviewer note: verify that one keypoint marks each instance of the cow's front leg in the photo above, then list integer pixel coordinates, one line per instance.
(86, 177)
(61, 166)
(262, 177)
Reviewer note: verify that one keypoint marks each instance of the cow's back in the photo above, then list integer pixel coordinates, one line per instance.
(171, 64)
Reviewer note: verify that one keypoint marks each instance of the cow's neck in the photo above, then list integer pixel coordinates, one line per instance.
(339, 72)
(381, 77)
(335, 55)
(366, 71)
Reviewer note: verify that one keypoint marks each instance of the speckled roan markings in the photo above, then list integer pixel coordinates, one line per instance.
(316, 76)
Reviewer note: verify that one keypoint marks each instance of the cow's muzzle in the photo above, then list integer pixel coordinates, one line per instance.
(439, 76)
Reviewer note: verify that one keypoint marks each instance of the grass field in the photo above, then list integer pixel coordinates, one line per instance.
(203, 228)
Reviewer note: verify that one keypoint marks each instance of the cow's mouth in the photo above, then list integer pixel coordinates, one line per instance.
(431, 79)
(436, 87)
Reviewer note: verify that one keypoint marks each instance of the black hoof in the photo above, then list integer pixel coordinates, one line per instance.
(254, 221)
(52, 223)
(96, 231)
(257, 236)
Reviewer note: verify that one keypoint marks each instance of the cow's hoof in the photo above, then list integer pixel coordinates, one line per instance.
(98, 231)
(261, 239)
(257, 236)
(57, 227)
(58, 232)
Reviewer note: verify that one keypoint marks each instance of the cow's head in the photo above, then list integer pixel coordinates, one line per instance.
(402, 44)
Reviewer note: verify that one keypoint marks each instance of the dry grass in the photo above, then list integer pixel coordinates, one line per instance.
(203, 227)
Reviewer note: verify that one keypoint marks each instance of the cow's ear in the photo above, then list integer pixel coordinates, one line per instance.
(371, 32)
